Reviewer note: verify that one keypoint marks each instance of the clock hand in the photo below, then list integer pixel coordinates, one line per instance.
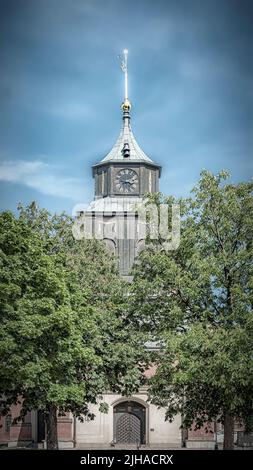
(127, 181)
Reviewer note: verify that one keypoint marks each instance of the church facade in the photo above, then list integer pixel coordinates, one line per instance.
(121, 180)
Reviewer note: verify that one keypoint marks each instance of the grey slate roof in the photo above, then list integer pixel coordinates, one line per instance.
(126, 136)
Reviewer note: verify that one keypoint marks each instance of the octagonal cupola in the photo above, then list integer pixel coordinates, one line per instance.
(126, 170)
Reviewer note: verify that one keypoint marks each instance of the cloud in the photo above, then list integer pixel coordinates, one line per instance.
(43, 177)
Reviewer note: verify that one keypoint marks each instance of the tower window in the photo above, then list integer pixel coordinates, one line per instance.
(126, 150)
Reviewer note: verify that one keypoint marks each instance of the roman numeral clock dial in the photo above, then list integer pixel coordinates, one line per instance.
(126, 181)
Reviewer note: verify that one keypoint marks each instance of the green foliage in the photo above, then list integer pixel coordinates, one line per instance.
(204, 373)
(198, 301)
(64, 340)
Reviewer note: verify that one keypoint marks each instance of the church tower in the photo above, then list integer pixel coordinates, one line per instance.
(122, 178)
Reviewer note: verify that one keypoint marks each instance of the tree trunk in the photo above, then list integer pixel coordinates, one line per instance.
(228, 432)
(51, 428)
(184, 436)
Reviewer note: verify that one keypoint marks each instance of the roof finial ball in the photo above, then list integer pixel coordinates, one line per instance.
(126, 105)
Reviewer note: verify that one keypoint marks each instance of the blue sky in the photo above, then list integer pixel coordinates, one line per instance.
(190, 81)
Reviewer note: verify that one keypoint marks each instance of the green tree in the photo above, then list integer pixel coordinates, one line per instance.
(198, 301)
(63, 339)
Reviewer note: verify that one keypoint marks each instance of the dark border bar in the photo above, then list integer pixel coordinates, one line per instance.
(127, 459)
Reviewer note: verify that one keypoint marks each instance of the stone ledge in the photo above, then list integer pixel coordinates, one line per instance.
(27, 443)
(200, 444)
(66, 444)
(93, 446)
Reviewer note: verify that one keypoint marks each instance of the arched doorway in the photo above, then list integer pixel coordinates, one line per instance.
(129, 423)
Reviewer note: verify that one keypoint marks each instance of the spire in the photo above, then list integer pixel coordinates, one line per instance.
(126, 147)
(124, 69)
(126, 105)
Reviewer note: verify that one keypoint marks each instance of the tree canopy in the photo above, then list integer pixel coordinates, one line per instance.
(198, 301)
(63, 340)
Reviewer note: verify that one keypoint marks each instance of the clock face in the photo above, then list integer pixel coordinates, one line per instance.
(126, 181)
